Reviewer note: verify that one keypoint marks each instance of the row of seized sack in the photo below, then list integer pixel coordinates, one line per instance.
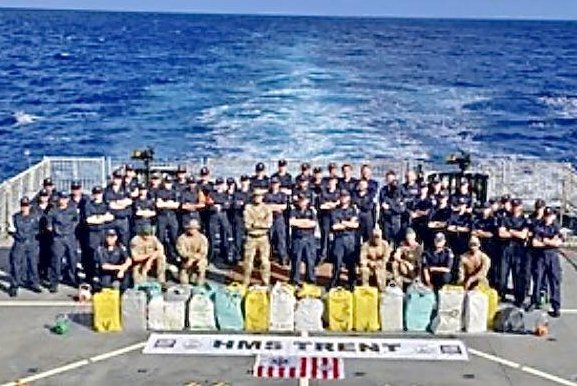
(206, 308)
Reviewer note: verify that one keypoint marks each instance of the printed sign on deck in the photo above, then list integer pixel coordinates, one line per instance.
(295, 346)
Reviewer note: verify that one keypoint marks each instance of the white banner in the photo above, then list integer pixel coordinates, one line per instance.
(318, 346)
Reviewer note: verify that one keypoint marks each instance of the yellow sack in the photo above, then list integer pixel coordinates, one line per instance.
(256, 309)
(493, 304)
(340, 309)
(309, 291)
(106, 310)
(237, 287)
(366, 309)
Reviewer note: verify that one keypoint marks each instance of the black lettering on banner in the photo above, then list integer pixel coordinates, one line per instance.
(451, 349)
(364, 347)
(302, 345)
(324, 346)
(272, 345)
(228, 344)
(246, 345)
(165, 343)
(392, 347)
(346, 347)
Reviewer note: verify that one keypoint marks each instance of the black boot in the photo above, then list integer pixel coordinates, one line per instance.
(13, 291)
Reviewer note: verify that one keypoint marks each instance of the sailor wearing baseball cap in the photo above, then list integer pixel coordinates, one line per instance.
(438, 263)
(144, 209)
(98, 219)
(546, 243)
(459, 226)
(167, 206)
(328, 201)
(514, 232)
(345, 225)
(120, 204)
(485, 227)
(114, 262)
(277, 202)
(24, 251)
(285, 178)
(180, 183)
(241, 197)
(62, 222)
(218, 223)
(260, 180)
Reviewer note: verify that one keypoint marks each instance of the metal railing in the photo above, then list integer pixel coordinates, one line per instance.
(527, 179)
(26, 183)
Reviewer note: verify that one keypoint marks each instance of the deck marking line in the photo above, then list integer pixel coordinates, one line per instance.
(116, 353)
(526, 369)
(77, 364)
(43, 303)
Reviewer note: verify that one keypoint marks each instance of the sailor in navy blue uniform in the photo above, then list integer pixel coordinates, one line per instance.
(410, 190)
(344, 224)
(439, 218)
(41, 207)
(438, 264)
(143, 210)
(285, 178)
(306, 171)
(459, 227)
(333, 170)
(49, 186)
(130, 181)
(155, 185)
(24, 252)
(535, 219)
(167, 206)
(546, 242)
(277, 201)
(420, 215)
(113, 262)
(302, 187)
(180, 182)
(317, 182)
(62, 221)
(327, 202)
(239, 200)
(365, 205)
(303, 221)
(463, 195)
(260, 180)
(436, 190)
(392, 210)
(347, 181)
(78, 200)
(120, 205)
(98, 219)
(514, 231)
(220, 234)
(190, 204)
(372, 185)
(485, 227)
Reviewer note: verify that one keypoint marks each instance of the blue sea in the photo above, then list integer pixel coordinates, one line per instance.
(95, 83)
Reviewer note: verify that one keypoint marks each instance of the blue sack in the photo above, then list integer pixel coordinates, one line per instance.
(228, 309)
(420, 303)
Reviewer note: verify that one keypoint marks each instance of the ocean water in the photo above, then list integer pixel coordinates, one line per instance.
(87, 83)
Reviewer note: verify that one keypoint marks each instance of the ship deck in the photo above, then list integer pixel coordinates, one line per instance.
(32, 354)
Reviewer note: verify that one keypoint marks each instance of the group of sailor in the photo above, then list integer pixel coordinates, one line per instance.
(411, 230)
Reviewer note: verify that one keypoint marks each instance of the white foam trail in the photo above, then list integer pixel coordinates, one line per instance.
(22, 119)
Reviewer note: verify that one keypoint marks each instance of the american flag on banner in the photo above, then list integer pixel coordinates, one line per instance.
(297, 367)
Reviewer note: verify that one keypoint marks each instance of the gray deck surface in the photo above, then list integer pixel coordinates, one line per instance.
(28, 348)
